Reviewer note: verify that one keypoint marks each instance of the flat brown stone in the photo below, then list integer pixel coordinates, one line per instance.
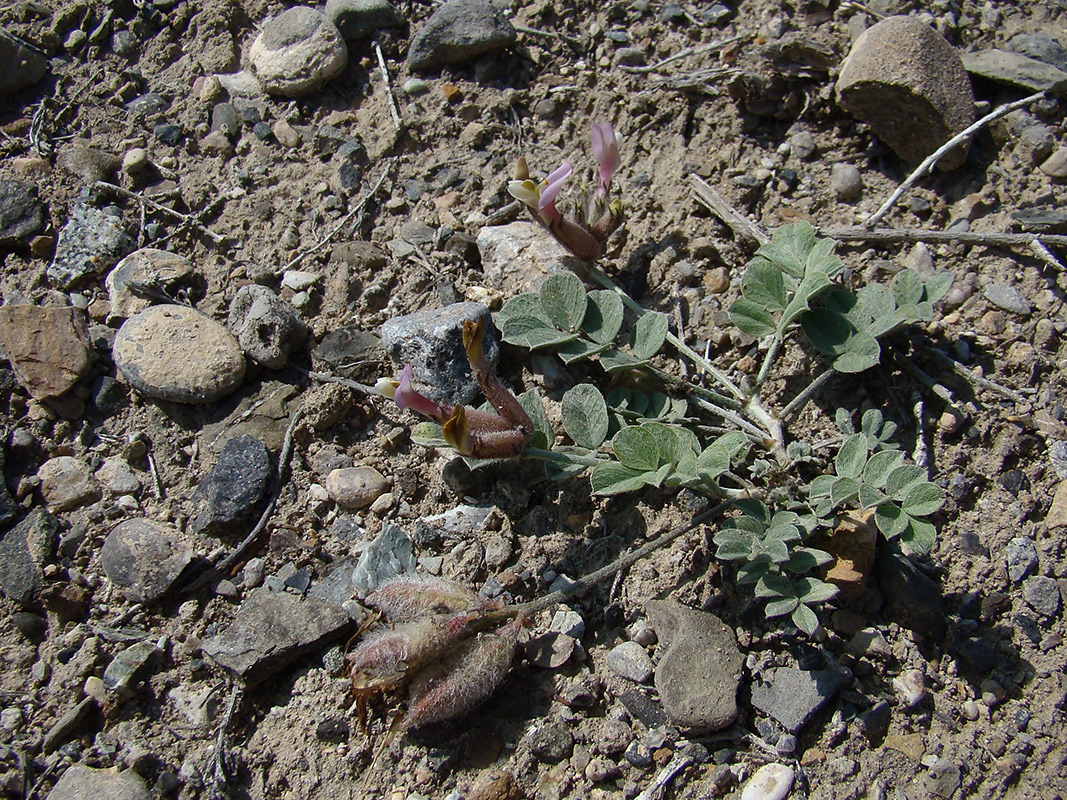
(48, 347)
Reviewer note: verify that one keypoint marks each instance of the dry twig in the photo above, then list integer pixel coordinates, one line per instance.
(394, 109)
(932, 159)
(219, 772)
(858, 233)
(686, 53)
(742, 227)
(186, 219)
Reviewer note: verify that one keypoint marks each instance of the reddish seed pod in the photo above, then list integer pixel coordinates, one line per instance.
(410, 596)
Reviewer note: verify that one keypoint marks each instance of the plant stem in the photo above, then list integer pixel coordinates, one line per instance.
(801, 399)
(693, 388)
(772, 353)
(562, 458)
(618, 565)
(601, 277)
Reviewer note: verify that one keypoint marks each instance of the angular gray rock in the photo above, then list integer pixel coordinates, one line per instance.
(22, 550)
(130, 667)
(1014, 69)
(1006, 297)
(1042, 594)
(67, 483)
(904, 80)
(21, 213)
(520, 256)
(20, 65)
(160, 269)
(154, 351)
(1040, 46)
(357, 19)
(143, 558)
(90, 243)
(8, 506)
(794, 696)
(1021, 556)
(699, 666)
(267, 328)
(88, 783)
(48, 347)
(630, 660)
(459, 31)
(432, 342)
(296, 52)
(230, 495)
(273, 629)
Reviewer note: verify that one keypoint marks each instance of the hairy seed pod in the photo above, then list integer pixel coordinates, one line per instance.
(469, 674)
(410, 596)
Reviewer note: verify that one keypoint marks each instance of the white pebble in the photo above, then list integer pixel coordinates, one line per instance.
(771, 782)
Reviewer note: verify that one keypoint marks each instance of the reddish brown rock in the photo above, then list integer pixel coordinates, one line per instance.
(48, 347)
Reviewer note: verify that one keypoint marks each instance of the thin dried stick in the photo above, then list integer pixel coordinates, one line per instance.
(571, 40)
(929, 162)
(1038, 248)
(857, 233)
(344, 220)
(686, 53)
(186, 219)
(974, 377)
(394, 109)
(742, 227)
(219, 776)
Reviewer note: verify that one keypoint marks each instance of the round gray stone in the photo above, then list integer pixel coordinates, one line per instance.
(357, 19)
(267, 327)
(175, 353)
(87, 783)
(143, 558)
(459, 31)
(297, 51)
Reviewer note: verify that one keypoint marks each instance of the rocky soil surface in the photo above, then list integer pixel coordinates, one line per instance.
(209, 210)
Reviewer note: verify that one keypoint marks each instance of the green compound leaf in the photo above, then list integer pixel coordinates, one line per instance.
(578, 349)
(822, 260)
(907, 287)
(844, 490)
(828, 330)
(774, 550)
(648, 334)
(851, 457)
(774, 585)
(862, 353)
(764, 285)
(805, 619)
(938, 286)
(603, 317)
(869, 496)
(780, 607)
(752, 319)
(734, 545)
(515, 327)
(902, 479)
(713, 461)
(890, 519)
(543, 436)
(923, 499)
(540, 338)
(880, 465)
(559, 470)
(611, 477)
(669, 444)
(585, 416)
(637, 447)
(790, 247)
(821, 486)
(812, 590)
(812, 285)
(752, 571)
(920, 535)
(616, 361)
(805, 559)
(564, 301)
(527, 304)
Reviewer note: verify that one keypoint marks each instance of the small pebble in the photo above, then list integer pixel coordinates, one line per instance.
(845, 181)
(771, 782)
(356, 487)
(630, 660)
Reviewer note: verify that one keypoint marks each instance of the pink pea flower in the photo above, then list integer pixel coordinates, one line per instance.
(606, 152)
(546, 204)
(406, 397)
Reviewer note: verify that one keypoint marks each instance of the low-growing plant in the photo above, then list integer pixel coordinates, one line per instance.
(714, 434)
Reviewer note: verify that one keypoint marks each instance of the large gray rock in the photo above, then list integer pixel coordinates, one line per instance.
(296, 52)
(48, 347)
(1040, 46)
(176, 353)
(228, 498)
(273, 629)
(21, 213)
(904, 80)
(89, 244)
(357, 19)
(20, 65)
(87, 783)
(432, 342)
(794, 696)
(520, 256)
(267, 327)
(699, 666)
(459, 31)
(143, 558)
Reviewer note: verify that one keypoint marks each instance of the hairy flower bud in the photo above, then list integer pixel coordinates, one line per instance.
(410, 596)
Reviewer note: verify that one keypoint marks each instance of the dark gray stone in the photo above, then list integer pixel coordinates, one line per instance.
(551, 742)
(943, 779)
(342, 348)
(1040, 46)
(432, 342)
(148, 104)
(21, 213)
(874, 722)
(643, 708)
(1007, 298)
(20, 64)
(90, 243)
(143, 558)
(267, 328)
(1014, 69)
(8, 506)
(273, 629)
(459, 32)
(21, 552)
(794, 696)
(171, 133)
(699, 666)
(1042, 594)
(87, 783)
(1041, 220)
(1021, 558)
(912, 599)
(337, 585)
(230, 495)
(357, 19)
(980, 653)
(349, 163)
(225, 118)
